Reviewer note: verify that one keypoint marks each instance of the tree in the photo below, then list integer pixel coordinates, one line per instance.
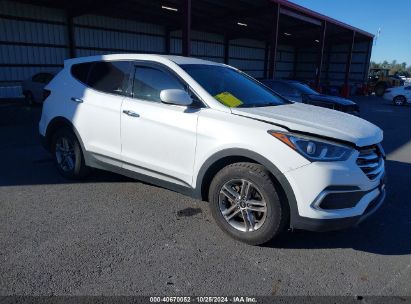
(395, 68)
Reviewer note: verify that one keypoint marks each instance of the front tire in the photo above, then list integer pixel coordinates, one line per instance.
(245, 204)
(68, 155)
(399, 100)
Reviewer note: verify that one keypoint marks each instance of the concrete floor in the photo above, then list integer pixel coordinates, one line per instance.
(111, 235)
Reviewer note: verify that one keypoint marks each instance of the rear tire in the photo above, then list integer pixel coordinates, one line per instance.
(245, 204)
(68, 155)
(380, 89)
(399, 100)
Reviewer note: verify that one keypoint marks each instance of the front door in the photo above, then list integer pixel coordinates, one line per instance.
(158, 139)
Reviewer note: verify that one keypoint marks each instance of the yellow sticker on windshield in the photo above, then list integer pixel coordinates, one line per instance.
(228, 99)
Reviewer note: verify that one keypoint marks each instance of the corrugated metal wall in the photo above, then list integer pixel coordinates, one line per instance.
(334, 63)
(248, 56)
(284, 67)
(306, 63)
(35, 39)
(32, 39)
(95, 35)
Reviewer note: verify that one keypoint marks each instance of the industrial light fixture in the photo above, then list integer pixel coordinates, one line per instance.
(316, 40)
(241, 24)
(169, 8)
(287, 34)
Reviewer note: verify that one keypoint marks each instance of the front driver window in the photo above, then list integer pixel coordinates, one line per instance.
(149, 82)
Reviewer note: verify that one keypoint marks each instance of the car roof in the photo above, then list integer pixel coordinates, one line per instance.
(149, 57)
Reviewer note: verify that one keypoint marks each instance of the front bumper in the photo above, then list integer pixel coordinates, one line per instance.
(334, 195)
(319, 225)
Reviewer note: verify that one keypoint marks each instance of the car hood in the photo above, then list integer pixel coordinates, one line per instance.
(333, 99)
(317, 121)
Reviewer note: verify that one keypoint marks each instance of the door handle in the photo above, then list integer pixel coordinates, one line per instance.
(131, 113)
(76, 99)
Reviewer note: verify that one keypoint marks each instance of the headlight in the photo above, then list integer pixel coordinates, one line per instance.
(314, 149)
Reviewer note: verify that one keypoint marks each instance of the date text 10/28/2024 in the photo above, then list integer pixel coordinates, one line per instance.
(240, 299)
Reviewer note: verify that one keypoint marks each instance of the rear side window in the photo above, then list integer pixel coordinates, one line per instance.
(80, 71)
(109, 77)
(149, 82)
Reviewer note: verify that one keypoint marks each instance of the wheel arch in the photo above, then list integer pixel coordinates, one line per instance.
(229, 156)
(400, 95)
(57, 123)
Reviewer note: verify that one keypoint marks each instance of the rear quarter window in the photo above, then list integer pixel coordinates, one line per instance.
(80, 71)
(109, 77)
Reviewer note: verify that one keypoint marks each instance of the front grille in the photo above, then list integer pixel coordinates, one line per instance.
(371, 161)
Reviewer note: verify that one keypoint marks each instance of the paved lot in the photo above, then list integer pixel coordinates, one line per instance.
(111, 235)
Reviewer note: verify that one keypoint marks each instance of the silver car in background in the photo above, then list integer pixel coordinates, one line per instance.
(33, 87)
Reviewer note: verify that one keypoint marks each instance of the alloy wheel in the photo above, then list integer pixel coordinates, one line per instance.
(65, 155)
(399, 100)
(242, 205)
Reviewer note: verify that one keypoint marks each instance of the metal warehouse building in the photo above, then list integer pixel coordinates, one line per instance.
(265, 38)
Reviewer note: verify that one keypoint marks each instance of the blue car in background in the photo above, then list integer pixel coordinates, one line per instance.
(299, 92)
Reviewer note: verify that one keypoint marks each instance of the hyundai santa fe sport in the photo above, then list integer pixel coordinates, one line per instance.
(208, 130)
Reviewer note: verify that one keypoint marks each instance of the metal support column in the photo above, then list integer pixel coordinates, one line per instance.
(273, 41)
(320, 56)
(186, 27)
(367, 62)
(346, 88)
(226, 49)
(266, 51)
(70, 35)
(167, 39)
(295, 64)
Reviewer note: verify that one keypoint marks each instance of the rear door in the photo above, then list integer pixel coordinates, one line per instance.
(158, 139)
(95, 106)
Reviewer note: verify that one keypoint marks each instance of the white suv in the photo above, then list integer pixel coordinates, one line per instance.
(210, 131)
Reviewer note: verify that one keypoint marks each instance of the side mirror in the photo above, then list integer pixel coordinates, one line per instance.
(176, 97)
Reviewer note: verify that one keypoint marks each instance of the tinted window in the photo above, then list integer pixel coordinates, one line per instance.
(149, 82)
(109, 77)
(282, 88)
(80, 71)
(304, 89)
(231, 87)
(408, 88)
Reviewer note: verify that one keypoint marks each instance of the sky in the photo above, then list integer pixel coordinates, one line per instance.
(393, 17)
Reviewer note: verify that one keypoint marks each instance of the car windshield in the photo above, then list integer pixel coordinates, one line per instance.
(304, 89)
(231, 87)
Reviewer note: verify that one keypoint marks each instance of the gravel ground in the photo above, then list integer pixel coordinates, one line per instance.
(111, 235)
